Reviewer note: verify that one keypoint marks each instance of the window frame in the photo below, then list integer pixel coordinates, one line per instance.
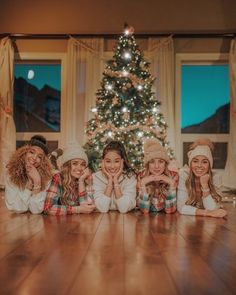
(193, 59)
(47, 57)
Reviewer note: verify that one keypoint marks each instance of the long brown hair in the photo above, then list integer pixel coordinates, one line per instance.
(194, 198)
(69, 184)
(17, 170)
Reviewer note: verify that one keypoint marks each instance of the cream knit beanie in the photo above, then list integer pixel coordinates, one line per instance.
(153, 149)
(200, 150)
(74, 151)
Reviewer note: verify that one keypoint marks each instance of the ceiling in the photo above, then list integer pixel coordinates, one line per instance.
(108, 17)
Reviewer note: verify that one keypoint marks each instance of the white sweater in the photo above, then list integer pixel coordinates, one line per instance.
(21, 201)
(124, 204)
(182, 195)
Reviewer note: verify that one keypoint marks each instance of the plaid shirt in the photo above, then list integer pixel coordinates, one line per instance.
(52, 204)
(159, 201)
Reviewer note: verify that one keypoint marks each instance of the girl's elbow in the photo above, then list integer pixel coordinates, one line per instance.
(123, 210)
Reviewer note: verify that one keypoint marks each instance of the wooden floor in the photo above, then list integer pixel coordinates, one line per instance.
(117, 254)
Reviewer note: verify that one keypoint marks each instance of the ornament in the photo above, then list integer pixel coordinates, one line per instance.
(126, 116)
(115, 100)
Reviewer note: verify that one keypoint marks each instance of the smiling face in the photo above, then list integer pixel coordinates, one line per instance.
(77, 167)
(112, 162)
(34, 156)
(200, 166)
(156, 166)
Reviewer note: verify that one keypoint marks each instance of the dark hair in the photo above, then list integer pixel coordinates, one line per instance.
(40, 141)
(118, 147)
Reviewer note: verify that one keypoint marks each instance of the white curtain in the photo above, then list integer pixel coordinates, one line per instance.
(7, 126)
(229, 176)
(84, 72)
(163, 68)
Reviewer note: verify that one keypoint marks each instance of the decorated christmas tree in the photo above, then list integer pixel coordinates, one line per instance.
(126, 107)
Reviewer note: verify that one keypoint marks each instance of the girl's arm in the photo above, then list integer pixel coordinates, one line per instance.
(102, 201)
(182, 196)
(127, 201)
(21, 201)
(50, 206)
(171, 198)
(209, 202)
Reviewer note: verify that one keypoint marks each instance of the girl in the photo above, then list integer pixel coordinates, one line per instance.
(156, 184)
(197, 190)
(69, 192)
(29, 171)
(115, 184)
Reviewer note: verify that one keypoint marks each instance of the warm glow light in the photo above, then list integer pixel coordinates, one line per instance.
(155, 110)
(94, 109)
(126, 32)
(109, 87)
(127, 55)
(140, 87)
(140, 134)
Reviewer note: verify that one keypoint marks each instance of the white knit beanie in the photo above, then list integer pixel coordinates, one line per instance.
(153, 149)
(74, 151)
(200, 150)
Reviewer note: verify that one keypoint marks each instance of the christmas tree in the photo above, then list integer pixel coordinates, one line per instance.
(126, 107)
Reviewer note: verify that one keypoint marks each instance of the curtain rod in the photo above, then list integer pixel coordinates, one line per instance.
(114, 36)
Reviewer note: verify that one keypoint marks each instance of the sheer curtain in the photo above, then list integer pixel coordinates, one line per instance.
(229, 176)
(162, 66)
(84, 71)
(7, 126)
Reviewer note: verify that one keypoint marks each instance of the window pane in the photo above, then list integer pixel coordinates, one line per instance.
(205, 99)
(37, 97)
(219, 154)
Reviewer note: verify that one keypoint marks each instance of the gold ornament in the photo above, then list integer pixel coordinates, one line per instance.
(126, 116)
(115, 100)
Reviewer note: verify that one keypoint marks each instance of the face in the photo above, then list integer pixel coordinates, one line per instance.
(77, 167)
(112, 162)
(157, 166)
(200, 166)
(34, 156)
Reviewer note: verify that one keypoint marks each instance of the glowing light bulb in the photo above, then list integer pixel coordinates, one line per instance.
(140, 87)
(124, 110)
(109, 87)
(155, 110)
(140, 134)
(125, 73)
(126, 32)
(109, 133)
(127, 55)
(94, 109)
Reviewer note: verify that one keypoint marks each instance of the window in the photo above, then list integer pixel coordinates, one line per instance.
(203, 101)
(205, 98)
(38, 98)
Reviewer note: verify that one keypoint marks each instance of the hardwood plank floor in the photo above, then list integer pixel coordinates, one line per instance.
(117, 254)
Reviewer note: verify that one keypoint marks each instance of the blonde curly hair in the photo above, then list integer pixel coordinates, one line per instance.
(17, 170)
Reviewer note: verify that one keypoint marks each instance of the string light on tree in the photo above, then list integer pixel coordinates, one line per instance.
(94, 110)
(127, 55)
